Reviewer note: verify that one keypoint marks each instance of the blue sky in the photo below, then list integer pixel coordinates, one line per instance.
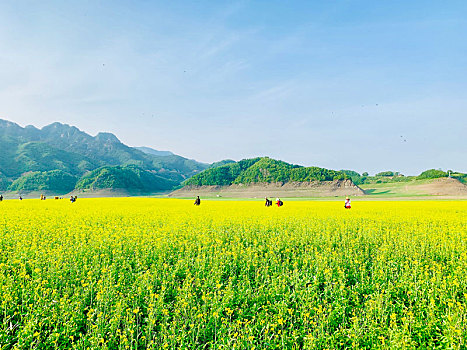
(363, 85)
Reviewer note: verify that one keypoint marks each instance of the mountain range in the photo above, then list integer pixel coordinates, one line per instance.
(60, 158)
(40, 159)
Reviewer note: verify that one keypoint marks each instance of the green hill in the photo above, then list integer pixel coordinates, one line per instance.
(261, 170)
(129, 177)
(55, 180)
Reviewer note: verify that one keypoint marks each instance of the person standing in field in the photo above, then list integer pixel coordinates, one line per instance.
(347, 203)
(197, 201)
(1, 197)
(279, 202)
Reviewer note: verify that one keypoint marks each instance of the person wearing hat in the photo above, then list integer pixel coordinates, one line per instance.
(347, 203)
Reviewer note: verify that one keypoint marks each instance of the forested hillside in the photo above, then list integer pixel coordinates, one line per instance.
(55, 180)
(124, 177)
(261, 170)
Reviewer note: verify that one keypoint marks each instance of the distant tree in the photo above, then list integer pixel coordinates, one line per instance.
(432, 174)
(365, 174)
(385, 173)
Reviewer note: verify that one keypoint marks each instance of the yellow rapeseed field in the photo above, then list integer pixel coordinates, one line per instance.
(164, 274)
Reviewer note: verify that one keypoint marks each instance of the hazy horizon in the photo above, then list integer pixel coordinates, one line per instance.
(366, 86)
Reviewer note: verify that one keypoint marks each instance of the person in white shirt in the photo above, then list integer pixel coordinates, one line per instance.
(347, 203)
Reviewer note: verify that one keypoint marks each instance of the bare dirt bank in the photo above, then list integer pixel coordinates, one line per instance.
(289, 189)
(444, 187)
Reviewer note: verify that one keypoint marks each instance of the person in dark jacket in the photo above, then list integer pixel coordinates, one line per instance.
(197, 201)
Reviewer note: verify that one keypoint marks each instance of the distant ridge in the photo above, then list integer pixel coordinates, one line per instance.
(155, 152)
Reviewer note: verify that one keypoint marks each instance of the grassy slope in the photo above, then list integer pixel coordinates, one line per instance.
(414, 188)
(394, 189)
